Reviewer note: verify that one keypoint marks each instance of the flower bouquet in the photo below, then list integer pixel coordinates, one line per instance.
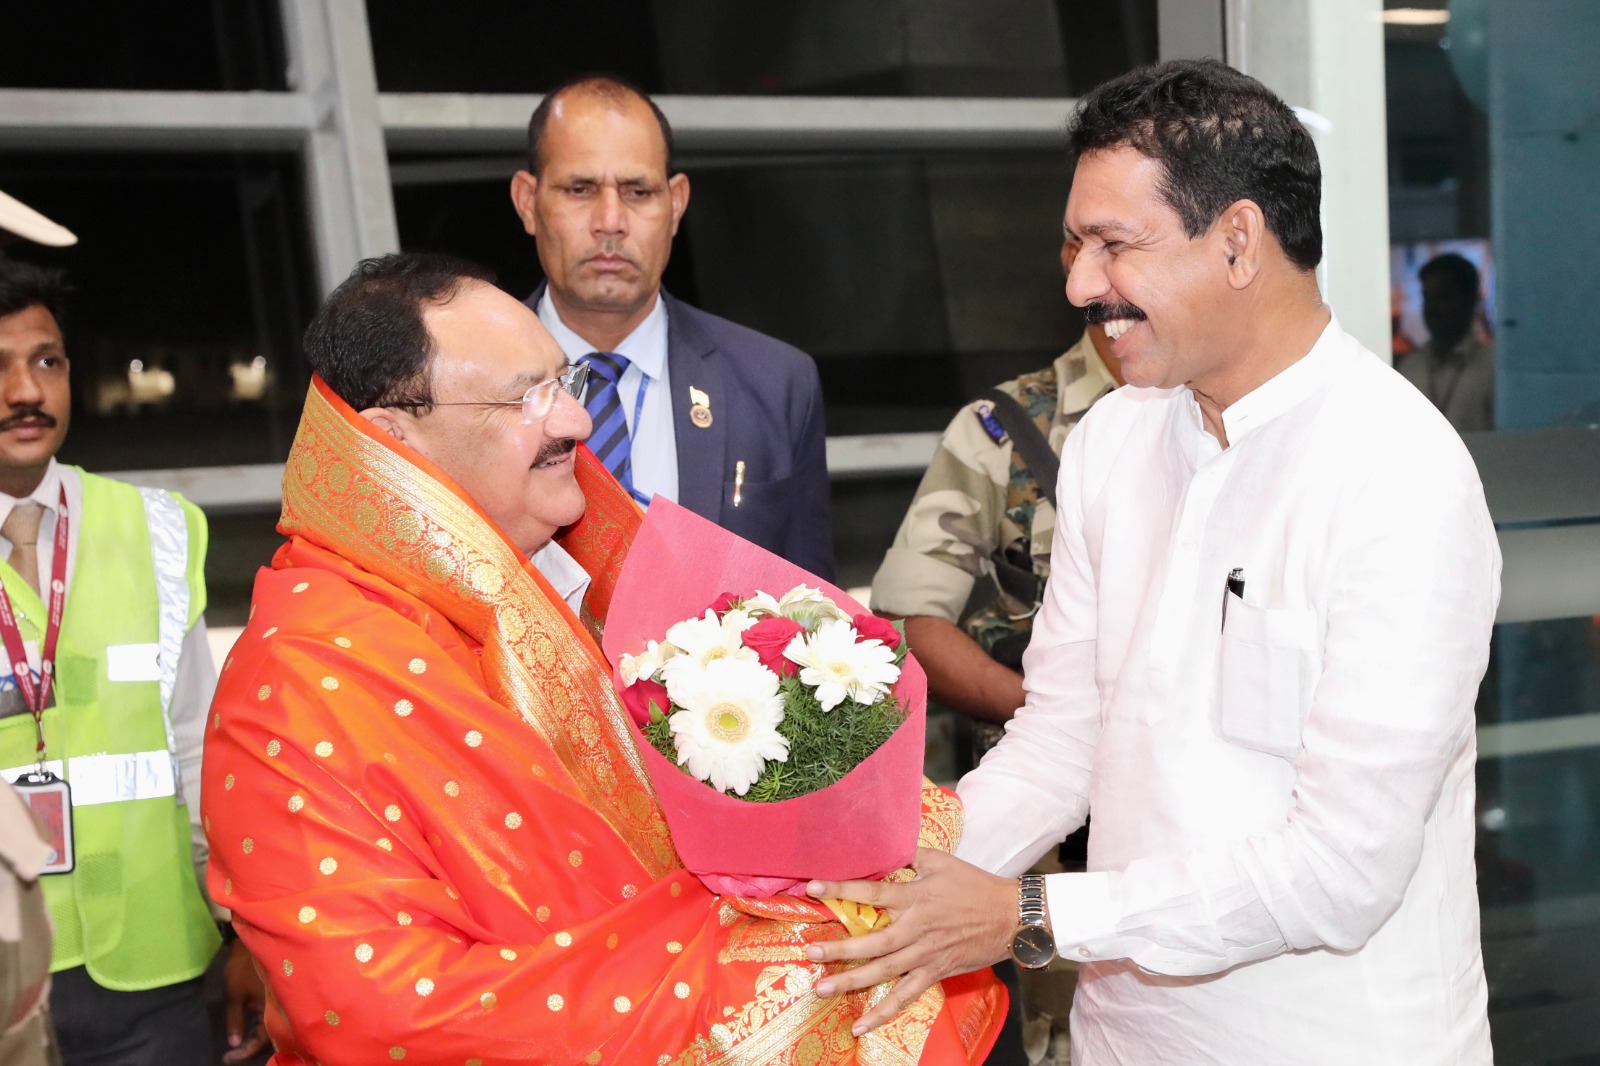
(783, 734)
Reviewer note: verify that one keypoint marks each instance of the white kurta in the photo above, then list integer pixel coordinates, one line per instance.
(1282, 851)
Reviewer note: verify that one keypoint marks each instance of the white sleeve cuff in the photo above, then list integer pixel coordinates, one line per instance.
(1083, 916)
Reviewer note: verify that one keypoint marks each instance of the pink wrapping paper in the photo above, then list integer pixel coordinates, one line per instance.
(862, 826)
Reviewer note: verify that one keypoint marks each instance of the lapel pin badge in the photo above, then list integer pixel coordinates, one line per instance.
(700, 409)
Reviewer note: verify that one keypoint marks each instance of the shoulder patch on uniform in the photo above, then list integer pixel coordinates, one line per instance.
(984, 409)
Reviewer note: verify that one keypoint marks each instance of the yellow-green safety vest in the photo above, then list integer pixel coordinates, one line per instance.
(131, 910)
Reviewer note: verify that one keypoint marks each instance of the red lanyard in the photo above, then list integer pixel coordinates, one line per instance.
(38, 696)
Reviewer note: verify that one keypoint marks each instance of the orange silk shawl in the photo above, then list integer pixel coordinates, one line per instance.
(428, 816)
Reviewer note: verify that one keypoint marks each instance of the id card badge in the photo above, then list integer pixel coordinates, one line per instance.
(50, 799)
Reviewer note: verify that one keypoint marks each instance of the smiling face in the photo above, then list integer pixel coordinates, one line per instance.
(35, 400)
(1163, 297)
(488, 347)
(602, 207)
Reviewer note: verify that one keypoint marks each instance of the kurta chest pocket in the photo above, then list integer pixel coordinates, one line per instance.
(1266, 673)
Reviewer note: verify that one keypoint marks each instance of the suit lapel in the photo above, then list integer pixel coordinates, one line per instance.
(702, 453)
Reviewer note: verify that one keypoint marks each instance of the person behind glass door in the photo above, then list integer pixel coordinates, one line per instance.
(122, 722)
(724, 420)
(1455, 369)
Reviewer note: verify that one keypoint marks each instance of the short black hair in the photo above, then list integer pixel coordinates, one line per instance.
(1221, 136)
(368, 341)
(1458, 269)
(24, 285)
(610, 88)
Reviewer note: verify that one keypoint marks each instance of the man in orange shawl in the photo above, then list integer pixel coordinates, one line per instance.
(425, 806)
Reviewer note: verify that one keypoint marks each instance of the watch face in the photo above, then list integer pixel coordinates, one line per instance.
(1033, 946)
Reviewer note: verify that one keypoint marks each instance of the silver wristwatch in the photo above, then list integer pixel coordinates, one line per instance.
(1033, 945)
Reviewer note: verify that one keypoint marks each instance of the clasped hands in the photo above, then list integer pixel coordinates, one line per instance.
(953, 918)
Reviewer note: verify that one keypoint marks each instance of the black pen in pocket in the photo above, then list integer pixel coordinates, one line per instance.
(1235, 585)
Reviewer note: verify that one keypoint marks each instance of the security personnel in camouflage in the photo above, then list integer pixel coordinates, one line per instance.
(980, 513)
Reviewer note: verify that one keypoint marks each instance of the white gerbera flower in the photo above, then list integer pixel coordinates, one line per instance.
(647, 664)
(726, 728)
(761, 604)
(840, 667)
(700, 642)
(810, 607)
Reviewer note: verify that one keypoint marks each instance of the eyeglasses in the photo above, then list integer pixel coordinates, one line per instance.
(539, 400)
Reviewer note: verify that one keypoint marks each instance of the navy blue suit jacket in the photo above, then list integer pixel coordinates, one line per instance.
(766, 410)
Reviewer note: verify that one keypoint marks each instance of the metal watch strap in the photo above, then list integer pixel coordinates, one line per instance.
(1031, 909)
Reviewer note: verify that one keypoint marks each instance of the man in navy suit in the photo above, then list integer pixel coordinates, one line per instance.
(724, 420)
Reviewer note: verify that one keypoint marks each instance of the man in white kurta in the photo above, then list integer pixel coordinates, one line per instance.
(1273, 585)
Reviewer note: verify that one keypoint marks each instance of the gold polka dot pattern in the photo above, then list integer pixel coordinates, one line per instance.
(403, 708)
(302, 586)
(385, 843)
(331, 1018)
(270, 630)
(513, 820)
(403, 918)
(397, 1053)
(424, 987)
(392, 812)
(330, 683)
(273, 747)
(227, 783)
(676, 889)
(323, 749)
(563, 939)
(543, 914)
(297, 803)
(508, 954)
(629, 891)
(611, 941)
(328, 865)
(263, 692)
(575, 859)
(474, 738)
(622, 1004)
(249, 845)
(288, 968)
(681, 990)
(363, 952)
(343, 642)
(452, 789)
(307, 915)
(488, 1000)
(417, 666)
(673, 947)
(555, 1002)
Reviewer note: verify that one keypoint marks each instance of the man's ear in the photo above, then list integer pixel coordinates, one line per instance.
(386, 420)
(1242, 234)
(678, 189)
(523, 187)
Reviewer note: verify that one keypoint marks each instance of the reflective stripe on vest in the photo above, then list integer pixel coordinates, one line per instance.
(169, 551)
(112, 778)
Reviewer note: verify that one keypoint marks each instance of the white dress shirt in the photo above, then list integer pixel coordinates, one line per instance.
(654, 441)
(196, 680)
(565, 574)
(1281, 859)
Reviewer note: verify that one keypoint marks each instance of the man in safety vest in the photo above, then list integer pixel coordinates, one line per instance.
(103, 694)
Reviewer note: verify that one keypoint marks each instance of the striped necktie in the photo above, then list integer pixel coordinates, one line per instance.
(609, 439)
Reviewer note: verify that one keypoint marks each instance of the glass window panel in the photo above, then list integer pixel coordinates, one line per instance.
(84, 44)
(804, 47)
(193, 285)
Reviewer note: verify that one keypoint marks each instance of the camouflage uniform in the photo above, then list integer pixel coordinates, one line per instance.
(979, 504)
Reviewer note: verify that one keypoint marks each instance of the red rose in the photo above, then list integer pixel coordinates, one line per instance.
(637, 696)
(724, 603)
(768, 637)
(871, 627)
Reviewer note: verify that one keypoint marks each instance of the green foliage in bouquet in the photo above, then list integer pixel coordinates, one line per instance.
(823, 745)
